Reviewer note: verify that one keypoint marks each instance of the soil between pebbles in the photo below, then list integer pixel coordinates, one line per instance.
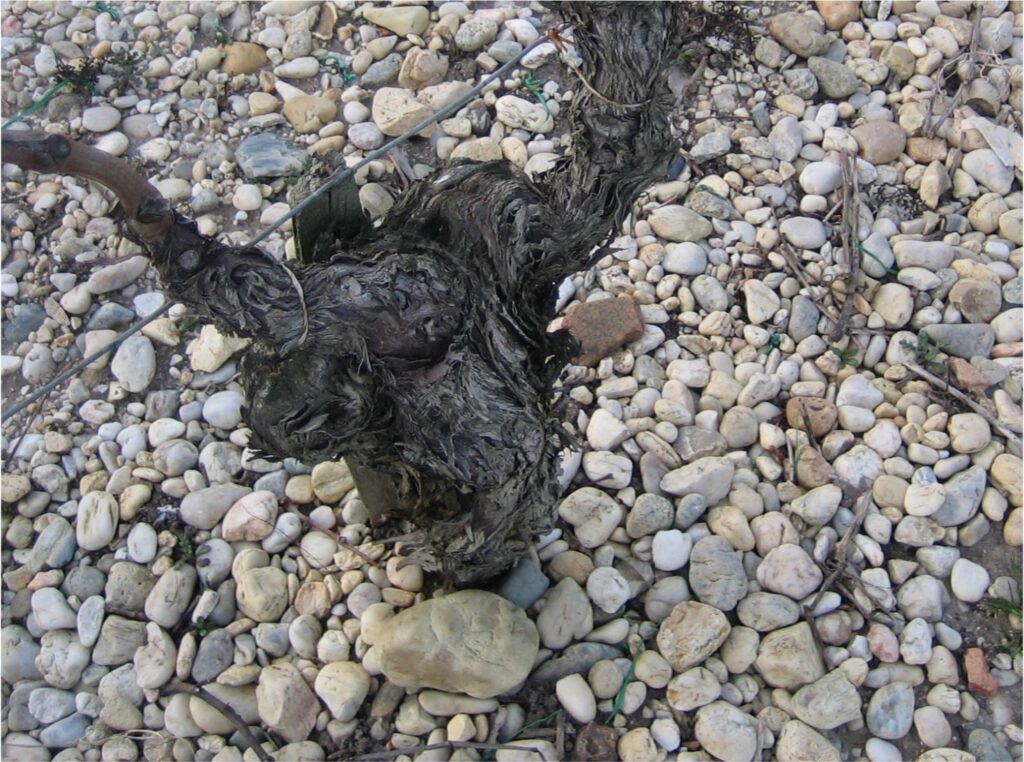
(727, 451)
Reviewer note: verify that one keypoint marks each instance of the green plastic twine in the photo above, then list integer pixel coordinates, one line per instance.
(864, 250)
(346, 75)
(47, 97)
(534, 86)
(104, 8)
(620, 697)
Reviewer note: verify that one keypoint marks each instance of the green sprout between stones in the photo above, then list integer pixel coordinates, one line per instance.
(81, 79)
(847, 357)
(203, 627)
(926, 350)
(186, 551)
(534, 724)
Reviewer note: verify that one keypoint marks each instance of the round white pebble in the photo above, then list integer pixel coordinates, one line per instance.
(607, 589)
(575, 695)
(671, 549)
(247, 197)
(968, 580)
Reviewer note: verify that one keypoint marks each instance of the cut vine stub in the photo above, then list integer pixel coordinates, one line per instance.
(419, 348)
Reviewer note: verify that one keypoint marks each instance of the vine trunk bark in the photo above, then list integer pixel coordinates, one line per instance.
(418, 348)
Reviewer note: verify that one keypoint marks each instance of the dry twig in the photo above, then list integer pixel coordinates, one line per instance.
(851, 253)
(972, 62)
(392, 753)
(248, 739)
(839, 552)
(945, 387)
(793, 261)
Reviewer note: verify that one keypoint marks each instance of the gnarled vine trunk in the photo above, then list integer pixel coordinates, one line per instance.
(418, 349)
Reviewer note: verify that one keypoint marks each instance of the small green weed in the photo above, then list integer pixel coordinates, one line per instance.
(126, 64)
(188, 323)
(203, 627)
(185, 550)
(847, 357)
(81, 78)
(926, 351)
(346, 75)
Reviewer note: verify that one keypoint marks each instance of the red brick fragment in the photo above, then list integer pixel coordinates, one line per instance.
(979, 679)
(603, 326)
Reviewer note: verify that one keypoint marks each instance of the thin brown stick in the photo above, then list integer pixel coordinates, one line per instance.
(972, 63)
(793, 261)
(248, 739)
(839, 552)
(560, 736)
(392, 753)
(851, 253)
(945, 387)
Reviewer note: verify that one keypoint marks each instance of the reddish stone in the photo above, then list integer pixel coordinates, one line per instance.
(979, 679)
(967, 376)
(838, 13)
(603, 326)
(883, 643)
(817, 412)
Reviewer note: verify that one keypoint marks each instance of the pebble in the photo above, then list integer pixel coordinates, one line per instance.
(726, 732)
(716, 573)
(101, 118)
(821, 177)
(171, 595)
(969, 581)
(828, 702)
(576, 698)
(593, 514)
(608, 589)
(134, 363)
(285, 703)
(417, 645)
(890, 711)
(343, 687)
(97, 520)
(691, 633)
(788, 570)
(566, 615)
(834, 79)
(679, 224)
(803, 232)
(692, 689)
(262, 593)
(685, 258)
(263, 154)
(247, 197)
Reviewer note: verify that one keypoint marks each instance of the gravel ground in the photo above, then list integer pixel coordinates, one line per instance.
(794, 527)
